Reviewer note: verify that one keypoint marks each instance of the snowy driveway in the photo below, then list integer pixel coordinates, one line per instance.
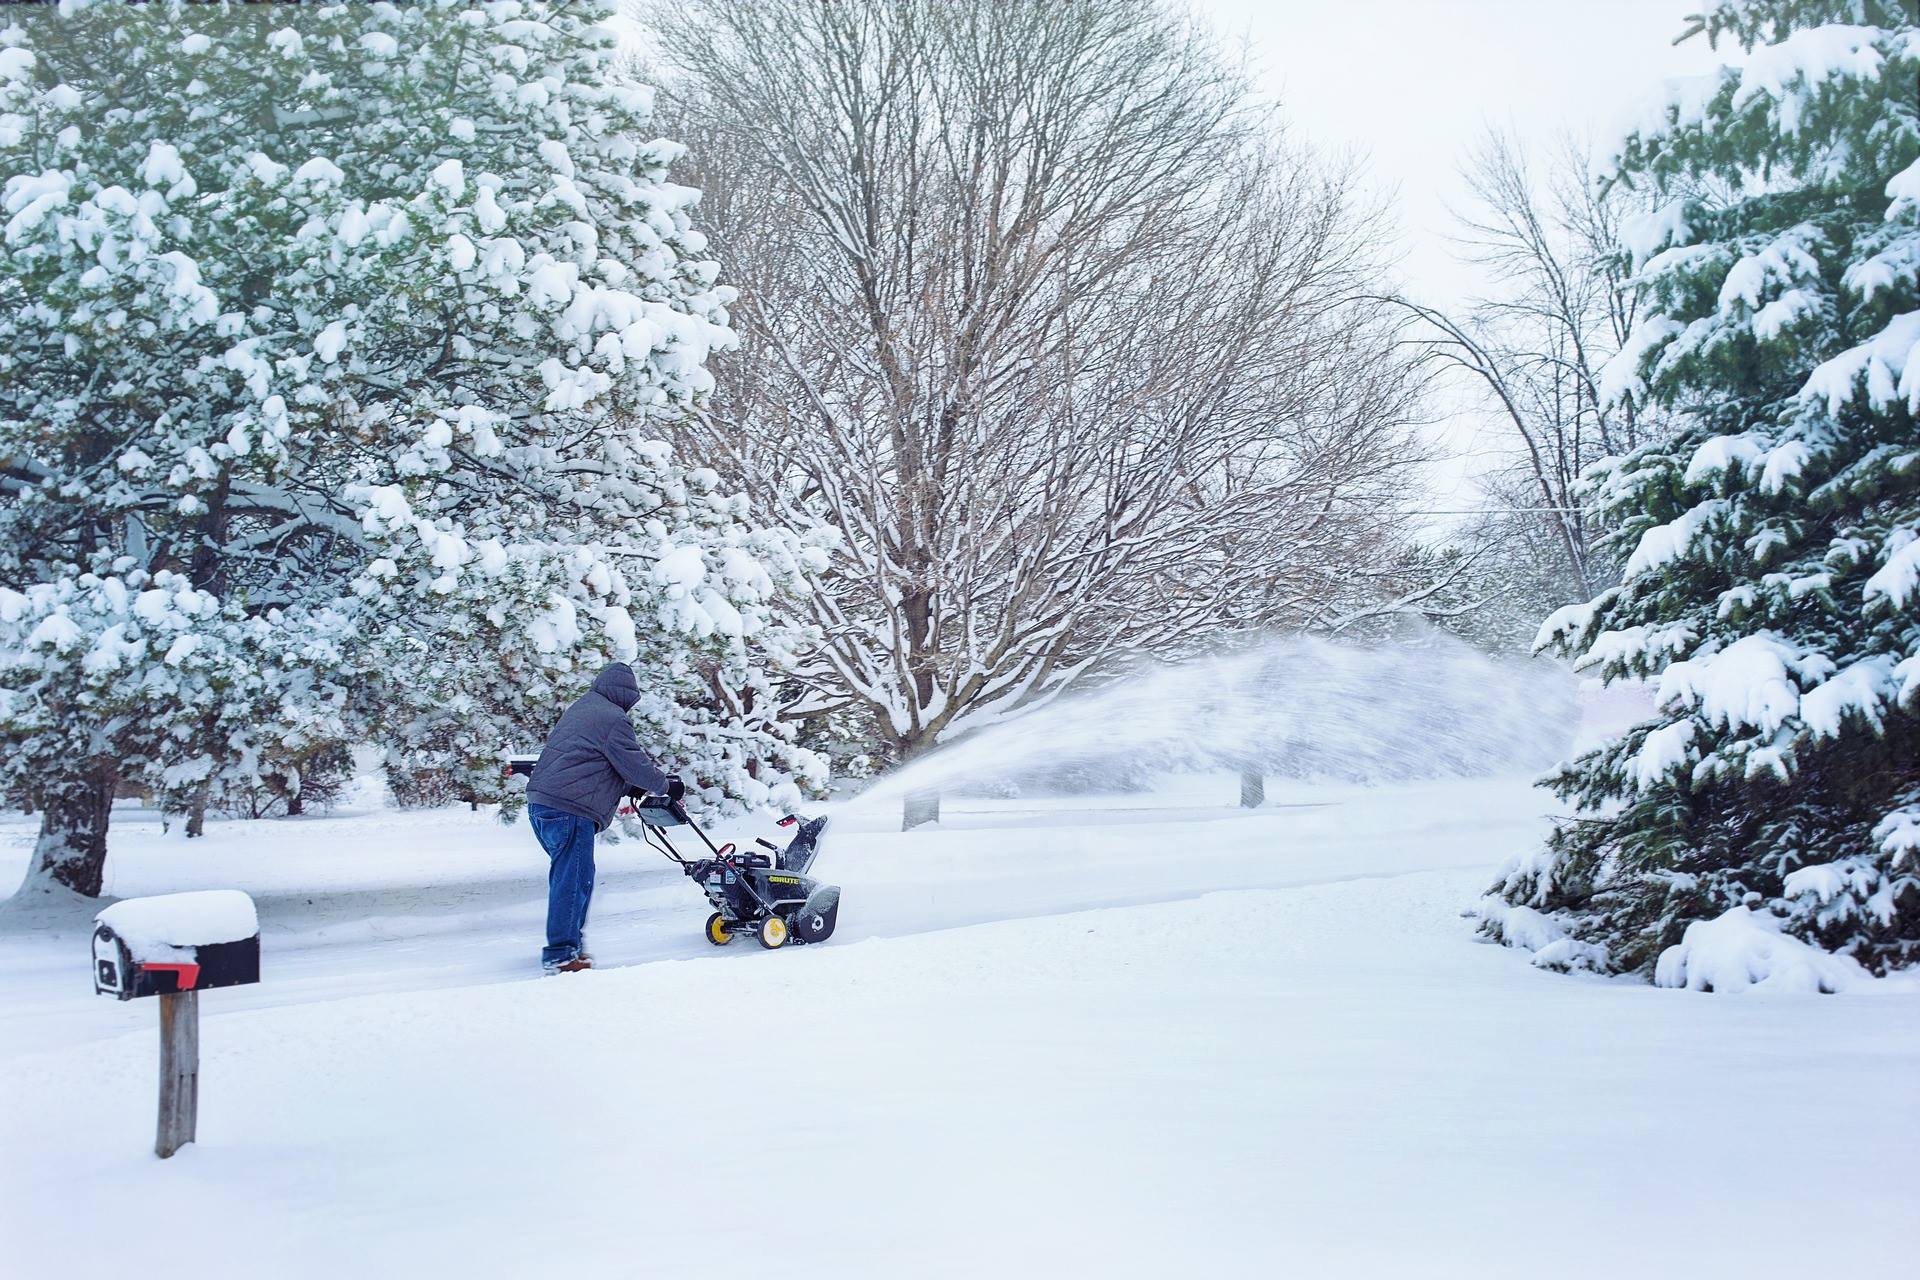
(388, 901)
(1117, 1046)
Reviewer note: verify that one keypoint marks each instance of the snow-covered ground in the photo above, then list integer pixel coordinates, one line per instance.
(1128, 1036)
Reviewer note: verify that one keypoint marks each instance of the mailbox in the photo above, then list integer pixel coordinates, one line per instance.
(175, 946)
(175, 943)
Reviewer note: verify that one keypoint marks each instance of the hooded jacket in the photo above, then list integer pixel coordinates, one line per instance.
(593, 756)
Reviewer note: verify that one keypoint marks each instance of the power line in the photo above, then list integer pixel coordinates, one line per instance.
(1500, 511)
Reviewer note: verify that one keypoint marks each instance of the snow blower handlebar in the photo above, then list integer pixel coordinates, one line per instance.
(656, 810)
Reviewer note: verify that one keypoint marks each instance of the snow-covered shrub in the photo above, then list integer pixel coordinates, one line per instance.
(1746, 948)
(358, 325)
(414, 783)
(289, 781)
(1771, 589)
(1518, 925)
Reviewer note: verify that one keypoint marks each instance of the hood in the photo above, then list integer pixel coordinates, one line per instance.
(617, 685)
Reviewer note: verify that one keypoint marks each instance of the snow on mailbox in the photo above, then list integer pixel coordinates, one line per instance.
(176, 942)
(175, 946)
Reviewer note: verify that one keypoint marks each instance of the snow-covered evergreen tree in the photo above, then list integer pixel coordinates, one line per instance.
(1771, 591)
(334, 340)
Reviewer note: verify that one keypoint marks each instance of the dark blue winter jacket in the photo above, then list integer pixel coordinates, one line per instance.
(592, 756)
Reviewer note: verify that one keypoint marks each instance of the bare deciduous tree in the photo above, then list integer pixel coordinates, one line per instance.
(1560, 303)
(1039, 317)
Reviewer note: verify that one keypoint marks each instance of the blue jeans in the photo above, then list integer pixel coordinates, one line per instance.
(568, 841)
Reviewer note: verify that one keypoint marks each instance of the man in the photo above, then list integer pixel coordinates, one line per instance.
(591, 758)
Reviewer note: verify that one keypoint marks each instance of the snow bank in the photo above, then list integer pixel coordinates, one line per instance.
(1744, 949)
(1353, 1089)
(182, 919)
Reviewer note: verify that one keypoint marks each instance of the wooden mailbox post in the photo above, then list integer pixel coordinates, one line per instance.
(175, 946)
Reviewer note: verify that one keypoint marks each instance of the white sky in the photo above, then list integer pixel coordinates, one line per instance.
(1413, 83)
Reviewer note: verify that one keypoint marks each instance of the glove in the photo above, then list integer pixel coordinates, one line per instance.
(675, 788)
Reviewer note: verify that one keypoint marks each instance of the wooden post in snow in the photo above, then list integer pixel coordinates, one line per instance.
(179, 1072)
(919, 808)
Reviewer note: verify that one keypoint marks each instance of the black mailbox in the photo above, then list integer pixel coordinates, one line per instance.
(176, 942)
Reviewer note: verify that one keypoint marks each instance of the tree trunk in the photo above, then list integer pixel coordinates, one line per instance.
(72, 849)
(1253, 787)
(197, 812)
(294, 806)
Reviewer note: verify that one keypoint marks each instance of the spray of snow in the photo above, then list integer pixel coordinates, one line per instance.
(1289, 707)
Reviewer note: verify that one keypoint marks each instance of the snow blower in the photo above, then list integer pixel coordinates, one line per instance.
(768, 895)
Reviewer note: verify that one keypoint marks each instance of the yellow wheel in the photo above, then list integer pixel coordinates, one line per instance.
(773, 932)
(717, 932)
